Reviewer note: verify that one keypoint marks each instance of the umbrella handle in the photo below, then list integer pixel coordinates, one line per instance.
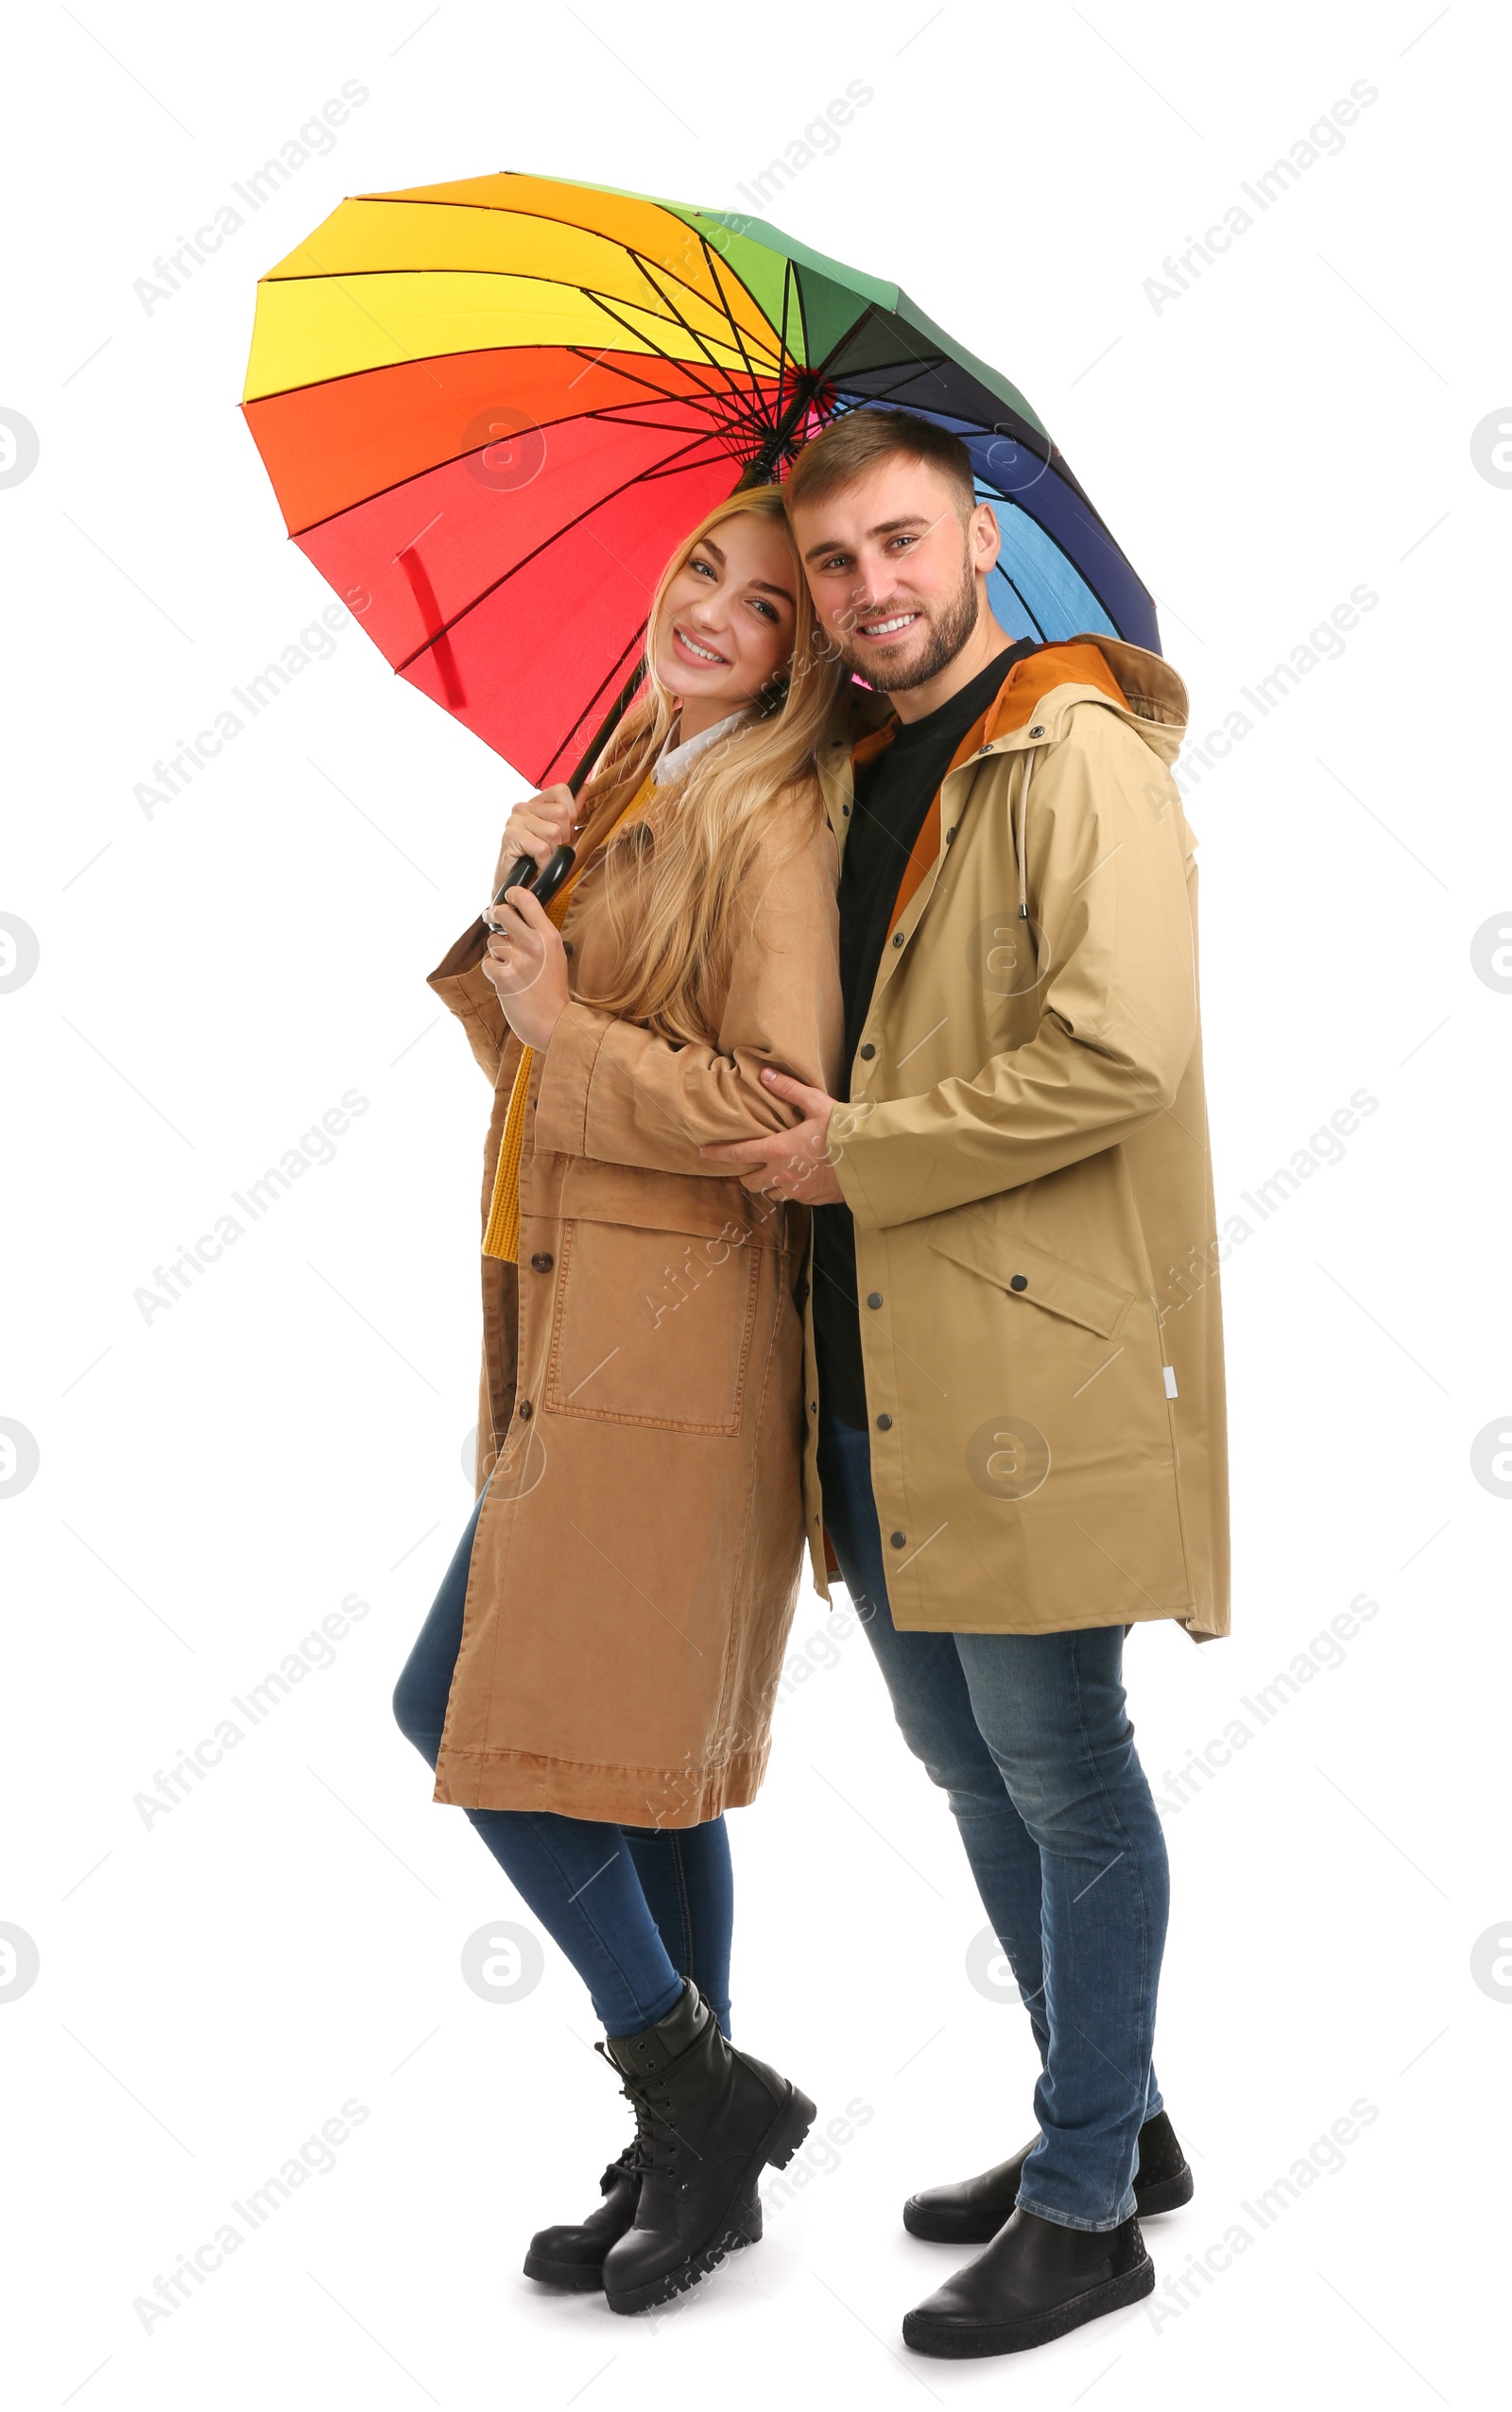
(543, 885)
(556, 868)
(523, 868)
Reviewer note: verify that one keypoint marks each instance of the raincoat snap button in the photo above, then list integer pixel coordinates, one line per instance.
(885, 1423)
(949, 834)
(899, 939)
(873, 1297)
(524, 1411)
(897, 1540)
(1039, 730)
(1018, 1281)
(868, 1050)
(542, 1262)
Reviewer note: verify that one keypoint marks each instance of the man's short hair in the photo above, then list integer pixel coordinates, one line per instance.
(856, 442)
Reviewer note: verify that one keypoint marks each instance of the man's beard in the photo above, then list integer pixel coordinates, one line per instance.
(947, 635)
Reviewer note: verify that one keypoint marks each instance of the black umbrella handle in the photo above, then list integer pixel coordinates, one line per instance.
(524, 868)
(543, 885)
(556, 866)
(555, 871)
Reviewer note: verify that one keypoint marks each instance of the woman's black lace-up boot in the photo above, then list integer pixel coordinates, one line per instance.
(572, 2255)
(708, 2118)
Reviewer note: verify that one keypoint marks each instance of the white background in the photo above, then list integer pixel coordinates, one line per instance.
(211, 1483)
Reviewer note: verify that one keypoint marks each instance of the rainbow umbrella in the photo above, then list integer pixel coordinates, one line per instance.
(490, 409)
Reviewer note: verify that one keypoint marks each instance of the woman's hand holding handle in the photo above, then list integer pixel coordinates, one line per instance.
(534, 830)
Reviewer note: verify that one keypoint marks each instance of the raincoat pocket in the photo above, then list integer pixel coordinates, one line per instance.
(1030, 1276)
(652, 1327)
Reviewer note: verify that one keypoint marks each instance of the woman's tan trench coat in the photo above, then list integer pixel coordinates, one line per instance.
(1024, 1149)
(639, 1549)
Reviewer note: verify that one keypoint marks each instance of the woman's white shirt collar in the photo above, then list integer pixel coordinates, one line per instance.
(674, 758)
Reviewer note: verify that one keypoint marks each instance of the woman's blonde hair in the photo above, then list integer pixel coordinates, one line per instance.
(672, 885)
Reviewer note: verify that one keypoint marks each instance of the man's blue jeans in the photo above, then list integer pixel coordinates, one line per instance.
(1029, 1736)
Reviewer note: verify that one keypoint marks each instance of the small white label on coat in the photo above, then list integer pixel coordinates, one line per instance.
(1169, 1371)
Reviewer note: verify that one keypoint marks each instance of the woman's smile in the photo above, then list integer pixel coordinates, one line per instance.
(696, 649)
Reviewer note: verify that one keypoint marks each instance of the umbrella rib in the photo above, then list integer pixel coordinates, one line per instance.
(730, 270)
(1015, 588)
(387, 368)
(653, 476)
(1030, 438)
(836, 347)
(638, 637)
(641, 477)
(733, 323)
(663, 393)
(715, 395)
(688, 329)
(782, 357)
(677, 316)
(657, 349)
(606, 415)
(885, 392)
(508, 209)
(610, 415)
(567, 285)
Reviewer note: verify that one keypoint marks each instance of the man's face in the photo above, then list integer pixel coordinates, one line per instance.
(894, 571)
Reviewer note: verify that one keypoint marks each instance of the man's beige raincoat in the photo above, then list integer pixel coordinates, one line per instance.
(1025, 1154)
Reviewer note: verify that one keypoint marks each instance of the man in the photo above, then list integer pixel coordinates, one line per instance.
(1016, 1444)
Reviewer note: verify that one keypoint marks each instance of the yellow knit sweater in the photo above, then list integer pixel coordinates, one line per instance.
(501, 1237)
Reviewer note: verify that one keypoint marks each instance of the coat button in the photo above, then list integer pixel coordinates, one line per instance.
(897, 1540)
(869, 1051)
(885, 1423)
(899, 939)
(949, 836)
(524, 1411)
(846, 809)
(1018, 1280)
(873, 1297)
(814, 1407)
(542, 1262)
(1038, 728)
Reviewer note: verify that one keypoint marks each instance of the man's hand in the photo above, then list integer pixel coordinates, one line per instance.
(790, 1163)
(527, 965)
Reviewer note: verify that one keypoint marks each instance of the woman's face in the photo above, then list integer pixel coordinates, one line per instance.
(726, 622)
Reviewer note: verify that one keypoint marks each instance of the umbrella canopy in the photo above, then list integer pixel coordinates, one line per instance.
(490, 409)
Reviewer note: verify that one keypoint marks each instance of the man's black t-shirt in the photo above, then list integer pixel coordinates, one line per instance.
(893, 793)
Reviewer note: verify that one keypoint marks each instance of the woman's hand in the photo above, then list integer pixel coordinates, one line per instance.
(536, 827)
(527, 965)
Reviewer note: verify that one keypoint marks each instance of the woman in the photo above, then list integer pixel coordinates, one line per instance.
(594, 1682)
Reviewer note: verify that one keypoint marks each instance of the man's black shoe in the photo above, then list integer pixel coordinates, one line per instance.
(1035, 2281)
(971, 2211)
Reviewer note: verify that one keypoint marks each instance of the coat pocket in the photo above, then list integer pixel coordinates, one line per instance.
(1028, 1274)
(652, 1327)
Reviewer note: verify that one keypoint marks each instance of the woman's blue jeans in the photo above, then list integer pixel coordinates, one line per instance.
(1028, 1737)
(635, 1908)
